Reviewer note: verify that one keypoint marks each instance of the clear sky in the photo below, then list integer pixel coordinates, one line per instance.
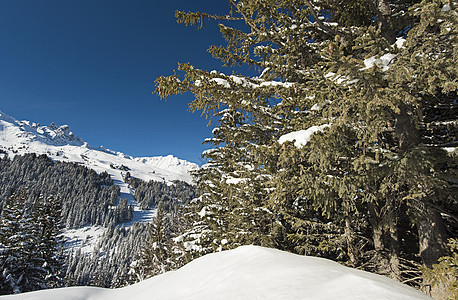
(91, 64)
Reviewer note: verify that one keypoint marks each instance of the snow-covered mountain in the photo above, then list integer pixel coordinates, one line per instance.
(248, 272)
(60, 143)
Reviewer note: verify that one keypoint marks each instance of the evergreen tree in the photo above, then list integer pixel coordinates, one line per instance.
(47, 216)
(160, 253)
(30, 245)
(21, 262)
(7, 284)
(341, 133)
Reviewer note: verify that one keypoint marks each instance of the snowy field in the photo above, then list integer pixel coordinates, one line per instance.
(84, 238)
(248, 272)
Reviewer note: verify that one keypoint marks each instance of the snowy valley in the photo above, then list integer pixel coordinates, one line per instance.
(158, 180)
(60, 144)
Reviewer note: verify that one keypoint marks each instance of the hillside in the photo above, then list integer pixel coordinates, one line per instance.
(61, 144)
(100, 209)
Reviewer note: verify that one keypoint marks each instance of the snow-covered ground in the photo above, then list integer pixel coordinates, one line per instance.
(84, 238)
(248, 272)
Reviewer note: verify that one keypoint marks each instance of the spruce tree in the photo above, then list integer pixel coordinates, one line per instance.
(343, 128)
(22, 262)
(159, 253)
(47, 216)
(31, 248)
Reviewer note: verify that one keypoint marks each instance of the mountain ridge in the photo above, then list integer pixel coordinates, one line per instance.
(60, 143)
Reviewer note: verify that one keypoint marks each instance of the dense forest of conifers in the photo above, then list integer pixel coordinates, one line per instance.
(84, 198)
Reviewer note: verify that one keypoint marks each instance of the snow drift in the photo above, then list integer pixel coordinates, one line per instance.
(248, 272)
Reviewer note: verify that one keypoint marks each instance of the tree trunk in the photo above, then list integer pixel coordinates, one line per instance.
(395, 271)
(431, 235)
(406, 132)
(381, 263)
(377, 230)
(349, 238)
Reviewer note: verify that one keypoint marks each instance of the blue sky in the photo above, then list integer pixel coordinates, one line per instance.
(91, 64)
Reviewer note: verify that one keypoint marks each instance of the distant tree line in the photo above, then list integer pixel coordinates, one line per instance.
(150, 194)
(86, 197)
(39, 198)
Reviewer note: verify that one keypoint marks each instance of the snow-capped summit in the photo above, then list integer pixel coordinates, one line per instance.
(168, 162)
(61, 144)
(26, 132)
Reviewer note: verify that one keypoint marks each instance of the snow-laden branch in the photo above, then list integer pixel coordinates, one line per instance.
(302, 137)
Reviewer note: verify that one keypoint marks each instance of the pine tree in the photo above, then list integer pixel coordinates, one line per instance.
(7, 284)
(160, 253)
(342, 128)
(230, 210)
(47, 215)
(31, 247)
(22, 261)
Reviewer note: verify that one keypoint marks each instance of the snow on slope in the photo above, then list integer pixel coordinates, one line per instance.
(248, 272)
(168, 162)
(84, 239)
(60, 143)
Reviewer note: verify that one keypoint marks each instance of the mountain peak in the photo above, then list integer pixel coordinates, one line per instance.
(26, 132)
(61, 144)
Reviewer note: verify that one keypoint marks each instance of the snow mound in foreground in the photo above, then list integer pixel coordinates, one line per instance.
(248, 272)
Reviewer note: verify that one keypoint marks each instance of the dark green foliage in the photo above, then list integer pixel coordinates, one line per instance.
(154, 193)
(443, 276)
(374, 175)
(30, 254)
(85, 196)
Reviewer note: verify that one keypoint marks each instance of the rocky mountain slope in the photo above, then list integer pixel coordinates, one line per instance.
(61, 144)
